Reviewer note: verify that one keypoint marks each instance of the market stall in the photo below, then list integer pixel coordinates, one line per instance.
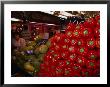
(57, 43)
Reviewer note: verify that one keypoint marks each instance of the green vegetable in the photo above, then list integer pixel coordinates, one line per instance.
(40, 57)
(28, 67)
(43, 49)
(48, 43)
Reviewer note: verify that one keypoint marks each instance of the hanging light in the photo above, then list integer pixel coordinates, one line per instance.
(15, 19)
(32, 22)
(62, 16)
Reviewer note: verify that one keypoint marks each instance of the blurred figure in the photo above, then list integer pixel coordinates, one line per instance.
(18, 42)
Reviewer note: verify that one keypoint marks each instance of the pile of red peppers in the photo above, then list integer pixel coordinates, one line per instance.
(76, 53)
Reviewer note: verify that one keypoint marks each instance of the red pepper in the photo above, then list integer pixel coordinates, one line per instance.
(47, 58)
(50, 59)
(81, 60)
(91, 64)
(98, 24)
(54, 61)
(86, 32)
(98, 64)
(70, 27)
(43, 66)
(54, 49)
(65, 54)
(57, 48)
(97, 18)
(97, 32)
(98, 53)
(49, 72)
(85, 73)
(79, 26)
(53, 43)
(82, 50)
(66, 40)
(76, 74)
(68, 63)
(89, 23)
(81, 42)
(68, 71)
(53, 73)
(91, 42)
(51, 51)
(58, 37)
(68, 34)
(59, 71)
(72, 57)
(73, 42)
(92, 54)
(64, 47)
(76, 34)
(97, 42)
(76, 67)
(90, 72)
(96, 72)
(72, 49)
(45, 70)
(57, 56)
(62, 63)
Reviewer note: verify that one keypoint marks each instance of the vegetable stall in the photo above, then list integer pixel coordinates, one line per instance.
(72, 51)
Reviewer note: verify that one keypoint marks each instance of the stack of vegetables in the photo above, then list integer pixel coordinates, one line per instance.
(75, 53)
(30, 56)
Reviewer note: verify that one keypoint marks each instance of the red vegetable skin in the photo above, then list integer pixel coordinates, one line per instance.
(96, 72)
(97, 42)
(72, 49)
(59, 71)
(97, 32)
(70, 27)
(92, 54)
(62, 63)
(64, 54)
(79, 26)
(86, 32)
(72, 57)
(91, 64)
(68, 71)
(76, 67)
(57, 56)
(81, 42)
(97, 18)
(85, 73)
(90, 23)
(76, 34)
(81, 60)
(82, 50)
(64, 47)
(73, 42)
(69, 34)
(91, 42)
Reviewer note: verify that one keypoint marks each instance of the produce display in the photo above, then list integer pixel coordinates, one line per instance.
(75, 53)
(31, 56)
